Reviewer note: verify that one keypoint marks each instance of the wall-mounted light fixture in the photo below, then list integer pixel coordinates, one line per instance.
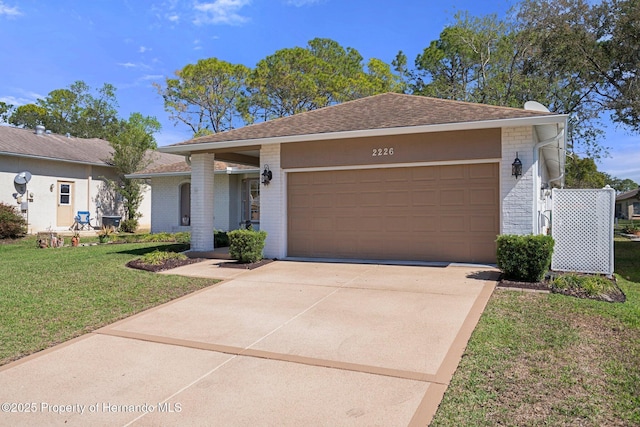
(267, 176)
(516, 167)
(51, 187)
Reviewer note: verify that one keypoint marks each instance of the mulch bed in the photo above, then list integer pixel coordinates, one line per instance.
(166, 265)
(173, 263)
(615, 295)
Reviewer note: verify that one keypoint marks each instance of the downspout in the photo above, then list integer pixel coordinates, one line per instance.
(536, 158)
(187, 158)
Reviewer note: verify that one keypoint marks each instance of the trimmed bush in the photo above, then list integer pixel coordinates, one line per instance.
(246, 245)
(524, 258)
(12, 224)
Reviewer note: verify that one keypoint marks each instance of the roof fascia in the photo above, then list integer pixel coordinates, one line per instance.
(170, 174)
(484, 124)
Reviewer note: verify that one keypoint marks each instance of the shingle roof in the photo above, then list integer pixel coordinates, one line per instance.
(628, 195)
(389, 110)
(25, 142)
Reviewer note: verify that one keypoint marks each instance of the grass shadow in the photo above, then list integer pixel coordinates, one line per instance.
(626, 260)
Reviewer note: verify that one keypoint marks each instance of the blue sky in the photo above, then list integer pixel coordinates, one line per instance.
(49, 44)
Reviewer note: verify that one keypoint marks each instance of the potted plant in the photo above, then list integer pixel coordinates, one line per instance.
(75, 239)
(105, 234)
(631, 228)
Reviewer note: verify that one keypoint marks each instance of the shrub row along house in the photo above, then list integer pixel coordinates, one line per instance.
(388, 177)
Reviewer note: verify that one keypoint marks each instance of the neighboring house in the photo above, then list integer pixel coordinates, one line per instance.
(389, 177)
(67, 175)
(628, 204)
(236, 189)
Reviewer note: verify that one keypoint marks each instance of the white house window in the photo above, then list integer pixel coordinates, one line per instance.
(65, 194)
(185, 204)
(636, 208)
(251, 200)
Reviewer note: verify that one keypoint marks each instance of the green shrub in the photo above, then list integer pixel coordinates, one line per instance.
(220, 239)
(158, 257)
(183, 237)
(246, 245)
(129, 225)
(12, 224)
(524, 258)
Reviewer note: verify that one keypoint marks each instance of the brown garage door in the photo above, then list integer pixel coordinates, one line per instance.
(431, 213)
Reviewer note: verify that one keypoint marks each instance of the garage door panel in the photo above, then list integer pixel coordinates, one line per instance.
(371, 198)
(453, 197)
(482, 223)
(483, 197)
(423, 198)
(398, 198)
(453, 172)
(436, 213)
(425, 223)
(454, 223)
(483, 171)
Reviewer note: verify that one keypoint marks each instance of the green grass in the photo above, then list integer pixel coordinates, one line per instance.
(48, 296)
(549, 359)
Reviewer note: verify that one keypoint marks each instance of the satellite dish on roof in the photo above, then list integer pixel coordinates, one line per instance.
(535, 106)
(22, 178)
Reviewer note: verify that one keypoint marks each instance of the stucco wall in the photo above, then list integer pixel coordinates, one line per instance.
(517, 197)
(165, 202)
(42, 211)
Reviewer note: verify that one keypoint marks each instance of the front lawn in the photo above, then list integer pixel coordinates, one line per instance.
(48, 296)
(549, 359)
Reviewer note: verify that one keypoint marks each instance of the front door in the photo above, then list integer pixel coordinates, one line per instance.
(65, 204)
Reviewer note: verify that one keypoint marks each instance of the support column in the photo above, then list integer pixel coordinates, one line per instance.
(202, 173)
(273, 212)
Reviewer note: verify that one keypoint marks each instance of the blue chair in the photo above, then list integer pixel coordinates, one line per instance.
(83, 220)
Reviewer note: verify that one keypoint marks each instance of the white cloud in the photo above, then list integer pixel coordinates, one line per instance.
(134, 65)
(299, 3)
(25, 97)
(9, 10)
(144, 49)
(152, 77)
(220, 12)
(173, 17)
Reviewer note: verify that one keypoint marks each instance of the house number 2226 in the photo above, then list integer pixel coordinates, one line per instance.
(382, 152)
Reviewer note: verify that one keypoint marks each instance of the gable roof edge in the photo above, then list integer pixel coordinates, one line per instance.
(485, 124)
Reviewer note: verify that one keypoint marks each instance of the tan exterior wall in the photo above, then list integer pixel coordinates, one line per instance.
(423, 147)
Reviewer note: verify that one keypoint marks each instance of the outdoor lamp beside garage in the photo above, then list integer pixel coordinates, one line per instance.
(516, 167)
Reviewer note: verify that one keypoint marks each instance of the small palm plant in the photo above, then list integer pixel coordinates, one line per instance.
(105, 233)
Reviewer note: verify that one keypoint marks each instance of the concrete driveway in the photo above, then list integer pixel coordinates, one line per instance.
(290, 343)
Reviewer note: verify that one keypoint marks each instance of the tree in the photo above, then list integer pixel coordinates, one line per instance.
(583, 173)
(132, 146)
(29, 116)
(324, 73)
(508, 62)
(617, 59)
(73, 110)
(5, 112)
(205, 95)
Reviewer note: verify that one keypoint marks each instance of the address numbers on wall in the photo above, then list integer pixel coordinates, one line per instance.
(386, 151)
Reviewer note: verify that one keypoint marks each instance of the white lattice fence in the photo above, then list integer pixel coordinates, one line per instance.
(582, 227)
